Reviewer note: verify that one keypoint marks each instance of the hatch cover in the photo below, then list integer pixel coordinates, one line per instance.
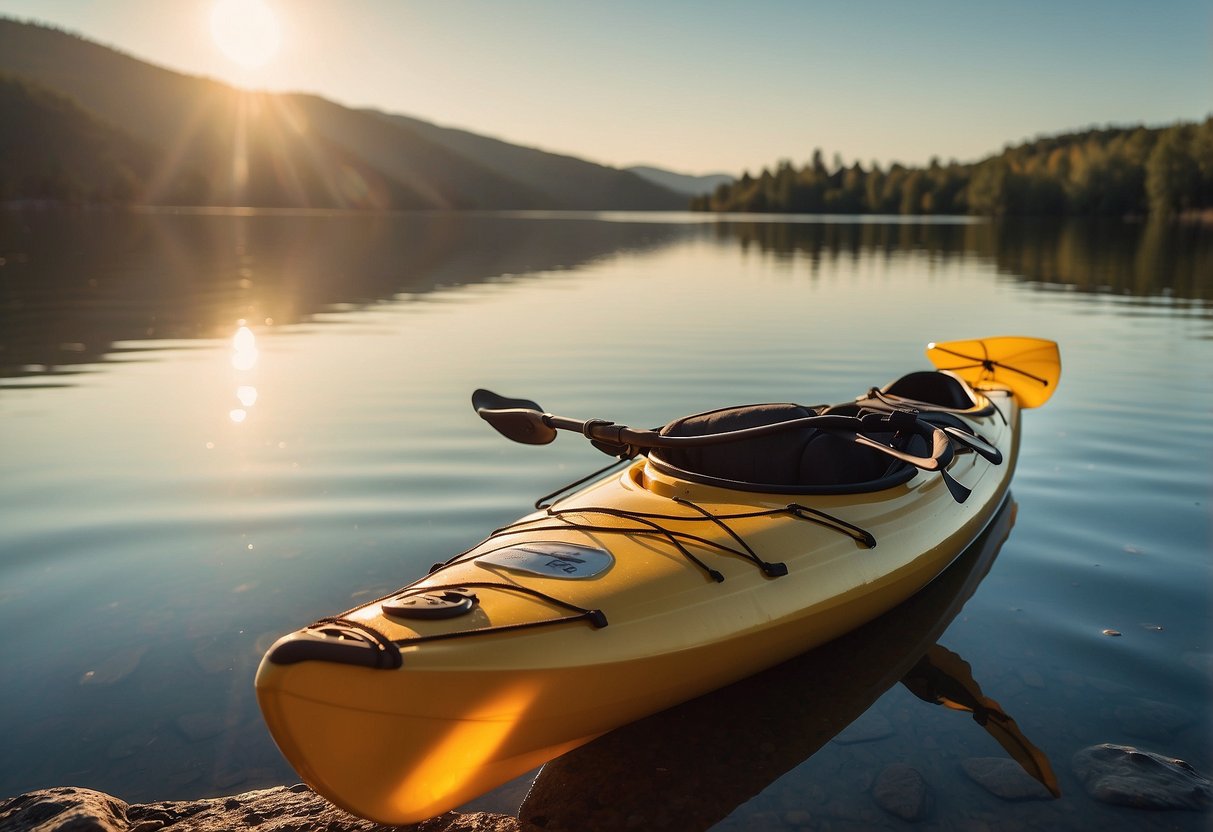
(551, 559)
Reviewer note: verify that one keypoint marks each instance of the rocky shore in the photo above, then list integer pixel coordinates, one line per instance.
(1110, 774)
(282, 809)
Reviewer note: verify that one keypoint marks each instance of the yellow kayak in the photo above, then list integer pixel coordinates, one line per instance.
(730, 542)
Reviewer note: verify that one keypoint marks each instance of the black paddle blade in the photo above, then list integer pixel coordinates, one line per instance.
(959, 492)
(520, 420)
(978, 444)
(488, 400)
(924, 463)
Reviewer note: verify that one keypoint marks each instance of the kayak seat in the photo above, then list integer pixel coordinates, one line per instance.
(796, 461)
(933, 387)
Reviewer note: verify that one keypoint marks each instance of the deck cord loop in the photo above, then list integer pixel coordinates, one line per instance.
(543, 503)
(565, 519)
(771, 570)
(623, 514)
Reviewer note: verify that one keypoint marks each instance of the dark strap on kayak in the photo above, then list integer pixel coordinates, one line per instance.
(388, 654)
(565, 519)
(543, 502)
(771, 570)
(648, 526)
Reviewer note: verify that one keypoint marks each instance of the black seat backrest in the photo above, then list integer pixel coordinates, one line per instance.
(830, 459)
(771, 459)
(797, 457)
(933, 387)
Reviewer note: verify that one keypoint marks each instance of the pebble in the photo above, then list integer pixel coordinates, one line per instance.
(114, 668)
(902, 791)
(1127, 776)
(1005, 778)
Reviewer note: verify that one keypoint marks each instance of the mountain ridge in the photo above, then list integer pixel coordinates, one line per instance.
(211, 144)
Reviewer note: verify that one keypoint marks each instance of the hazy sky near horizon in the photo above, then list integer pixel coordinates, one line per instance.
(703, 86)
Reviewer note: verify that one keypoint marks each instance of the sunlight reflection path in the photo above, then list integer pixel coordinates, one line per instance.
(244, 359)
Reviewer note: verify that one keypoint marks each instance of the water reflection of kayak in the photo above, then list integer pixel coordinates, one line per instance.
(733, 540)
(690, 766)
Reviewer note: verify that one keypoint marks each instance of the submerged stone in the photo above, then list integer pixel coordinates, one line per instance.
(114, 668)
(1128, 776)
(901, 790)
(1005, 778)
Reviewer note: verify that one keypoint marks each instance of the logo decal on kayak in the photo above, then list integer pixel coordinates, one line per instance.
(550, 559)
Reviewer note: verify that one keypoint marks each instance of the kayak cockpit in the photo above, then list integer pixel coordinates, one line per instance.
(796, 461)
(809, 460)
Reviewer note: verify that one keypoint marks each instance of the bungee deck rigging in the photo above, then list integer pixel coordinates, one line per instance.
(388, 654)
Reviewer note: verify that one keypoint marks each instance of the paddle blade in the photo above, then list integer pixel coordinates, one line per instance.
(488, 400)
(520, 420)
(944, 678)
(976, 443)
(1029, 367)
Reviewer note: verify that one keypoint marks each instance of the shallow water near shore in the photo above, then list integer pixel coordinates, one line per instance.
(217, 427)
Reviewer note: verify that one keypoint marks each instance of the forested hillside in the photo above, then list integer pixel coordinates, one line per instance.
(50, 148)
(1112, 172)
(195, 141)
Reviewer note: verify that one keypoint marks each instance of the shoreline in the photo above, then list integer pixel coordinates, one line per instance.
(279, 809)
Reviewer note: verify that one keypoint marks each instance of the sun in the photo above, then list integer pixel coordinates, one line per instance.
(246, 31)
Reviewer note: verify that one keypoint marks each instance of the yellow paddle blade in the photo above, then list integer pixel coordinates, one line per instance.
(1029, 367)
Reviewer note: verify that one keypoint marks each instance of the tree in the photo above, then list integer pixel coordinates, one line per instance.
(1172, 174)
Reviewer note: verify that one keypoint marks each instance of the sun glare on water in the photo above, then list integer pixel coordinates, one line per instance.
(246, 31)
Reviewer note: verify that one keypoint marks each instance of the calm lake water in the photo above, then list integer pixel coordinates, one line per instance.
(176, 491)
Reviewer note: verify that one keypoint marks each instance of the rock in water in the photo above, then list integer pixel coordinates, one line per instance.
(1127, 776)
(1005, 778)
(900, 790)
(293, 808)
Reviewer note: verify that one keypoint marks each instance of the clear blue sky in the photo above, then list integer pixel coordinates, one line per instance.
(701, 86)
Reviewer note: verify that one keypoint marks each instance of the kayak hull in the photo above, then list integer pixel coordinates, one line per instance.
(482, 698)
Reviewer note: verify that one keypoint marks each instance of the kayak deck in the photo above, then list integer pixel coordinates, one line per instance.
(642, 590)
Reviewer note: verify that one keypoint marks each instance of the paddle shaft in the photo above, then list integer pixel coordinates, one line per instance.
(523, 421)
(848, 427)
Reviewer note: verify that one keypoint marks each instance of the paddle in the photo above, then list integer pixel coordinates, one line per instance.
(975, 443)
(944, 678)
(1029, 367)
(524, 421)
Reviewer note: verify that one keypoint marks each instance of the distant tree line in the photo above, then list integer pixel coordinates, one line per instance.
(1110, 172)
